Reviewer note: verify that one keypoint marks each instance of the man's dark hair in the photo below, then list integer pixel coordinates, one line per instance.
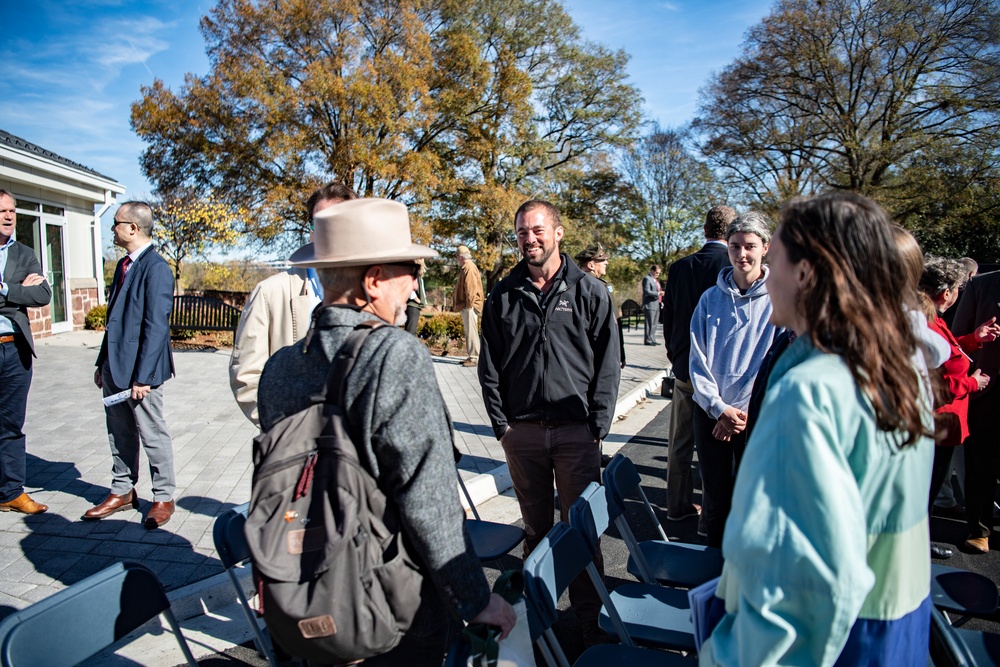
(551, 211)
(654, 268)
(718, 220)
(140, 213)
(335, 190)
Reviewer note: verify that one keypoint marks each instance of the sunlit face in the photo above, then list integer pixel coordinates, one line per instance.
(537, 237)
(784, 282)
(8, 218)
(746, 253)
(599, 269)
(121, 225)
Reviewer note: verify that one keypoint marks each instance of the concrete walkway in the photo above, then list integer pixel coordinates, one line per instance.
(69, 467)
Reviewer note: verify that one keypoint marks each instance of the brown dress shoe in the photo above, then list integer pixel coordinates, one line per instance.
(159, 514)
(112, 504)
(23, 504)
(978, 545)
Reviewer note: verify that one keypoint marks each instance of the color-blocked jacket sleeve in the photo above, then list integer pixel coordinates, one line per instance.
(796, 573)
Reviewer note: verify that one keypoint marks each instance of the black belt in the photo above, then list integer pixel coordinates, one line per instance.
(549, 423)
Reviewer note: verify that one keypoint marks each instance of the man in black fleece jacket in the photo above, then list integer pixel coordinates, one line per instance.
(549, 367)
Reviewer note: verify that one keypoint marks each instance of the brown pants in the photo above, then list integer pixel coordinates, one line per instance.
(570, 454)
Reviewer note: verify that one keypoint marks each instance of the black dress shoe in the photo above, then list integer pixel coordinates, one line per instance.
(938, 551)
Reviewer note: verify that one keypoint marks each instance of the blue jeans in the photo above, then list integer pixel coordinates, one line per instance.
(15, 379)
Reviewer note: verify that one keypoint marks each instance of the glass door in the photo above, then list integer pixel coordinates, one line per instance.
(55, 273)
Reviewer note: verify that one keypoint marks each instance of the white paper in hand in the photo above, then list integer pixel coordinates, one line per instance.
(115, 399)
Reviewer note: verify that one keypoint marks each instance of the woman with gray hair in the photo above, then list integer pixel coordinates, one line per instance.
(730, 336)
(941, 281)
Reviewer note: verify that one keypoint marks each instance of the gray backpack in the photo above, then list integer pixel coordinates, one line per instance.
(335, 581)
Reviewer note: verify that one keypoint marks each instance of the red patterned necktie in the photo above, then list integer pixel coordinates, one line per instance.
(125, 264)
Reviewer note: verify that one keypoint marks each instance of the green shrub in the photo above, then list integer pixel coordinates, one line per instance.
(96, 318)
(440, 328)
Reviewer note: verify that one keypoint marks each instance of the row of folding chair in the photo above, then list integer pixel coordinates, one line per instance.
(651, 614)
(655, 614)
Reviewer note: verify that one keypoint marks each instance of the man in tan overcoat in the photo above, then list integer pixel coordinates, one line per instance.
(469, 300)
(277, 313)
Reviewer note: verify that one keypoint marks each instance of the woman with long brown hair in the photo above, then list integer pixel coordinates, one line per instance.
(830, 505)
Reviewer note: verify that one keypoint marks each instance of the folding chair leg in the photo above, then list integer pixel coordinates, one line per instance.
(176, 628)
(259, 639)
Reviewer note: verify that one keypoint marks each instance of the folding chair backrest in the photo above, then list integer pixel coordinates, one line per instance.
(552, 565)
(622, 479)
(589, 515)
(77, 622)
(947, 649)
(227, 533)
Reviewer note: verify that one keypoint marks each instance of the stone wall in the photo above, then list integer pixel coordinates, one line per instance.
(41, 321)
(82, 299)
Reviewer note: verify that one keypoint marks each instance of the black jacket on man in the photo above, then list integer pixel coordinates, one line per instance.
(687, 280)
(557, 363)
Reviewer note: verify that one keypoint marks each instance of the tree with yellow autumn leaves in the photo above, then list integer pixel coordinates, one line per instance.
(187, 225)
(459, 108)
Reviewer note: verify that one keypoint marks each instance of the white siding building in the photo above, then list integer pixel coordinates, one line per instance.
(59, 209)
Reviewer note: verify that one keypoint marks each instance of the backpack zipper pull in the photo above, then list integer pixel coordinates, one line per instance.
(306, 478)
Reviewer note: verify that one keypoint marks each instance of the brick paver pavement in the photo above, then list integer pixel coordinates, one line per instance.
(69, 465)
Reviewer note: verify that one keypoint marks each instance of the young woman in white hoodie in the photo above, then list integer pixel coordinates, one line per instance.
(730, 336)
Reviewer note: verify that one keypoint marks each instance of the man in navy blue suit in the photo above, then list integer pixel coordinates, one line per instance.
(135, 356)
(21, 286)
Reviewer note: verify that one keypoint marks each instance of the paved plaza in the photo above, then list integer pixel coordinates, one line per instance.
(69, 465)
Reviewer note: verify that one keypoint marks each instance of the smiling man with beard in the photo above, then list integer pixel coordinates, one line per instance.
(549, 368)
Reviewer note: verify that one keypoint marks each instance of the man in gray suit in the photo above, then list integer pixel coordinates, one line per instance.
(366, 261)
(135, 357)
(21, 286)
(651, 295)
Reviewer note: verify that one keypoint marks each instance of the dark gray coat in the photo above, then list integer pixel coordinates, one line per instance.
(399, 421)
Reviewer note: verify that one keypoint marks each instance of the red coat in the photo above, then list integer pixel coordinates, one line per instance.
(956, 376)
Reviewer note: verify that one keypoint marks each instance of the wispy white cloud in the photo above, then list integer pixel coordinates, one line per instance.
(671, 6)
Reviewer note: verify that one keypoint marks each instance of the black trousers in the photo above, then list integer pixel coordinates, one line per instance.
(982, 464)
(719, 460)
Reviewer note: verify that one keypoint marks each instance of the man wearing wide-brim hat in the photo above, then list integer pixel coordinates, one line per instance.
(366, 261)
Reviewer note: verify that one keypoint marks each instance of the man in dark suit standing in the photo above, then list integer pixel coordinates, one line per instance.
(687, 280)
(135, 356)
(21, 286)
(981, 301)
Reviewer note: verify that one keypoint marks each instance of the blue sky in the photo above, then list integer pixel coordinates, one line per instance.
(69, 69)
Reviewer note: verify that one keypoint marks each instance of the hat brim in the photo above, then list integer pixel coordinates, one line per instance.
(306, 257)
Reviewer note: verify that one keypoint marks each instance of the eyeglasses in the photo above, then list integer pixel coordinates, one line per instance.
(413, 267)
(115, 223)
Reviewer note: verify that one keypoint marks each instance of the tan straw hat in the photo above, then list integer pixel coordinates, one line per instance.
(360, 232)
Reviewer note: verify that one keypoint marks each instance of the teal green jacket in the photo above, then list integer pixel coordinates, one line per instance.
(828, 522)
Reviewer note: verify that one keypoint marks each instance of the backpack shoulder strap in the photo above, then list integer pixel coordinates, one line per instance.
(344, 360)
